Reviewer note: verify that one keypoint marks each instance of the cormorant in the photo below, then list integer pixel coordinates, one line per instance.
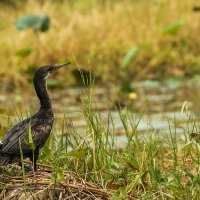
(41, 124)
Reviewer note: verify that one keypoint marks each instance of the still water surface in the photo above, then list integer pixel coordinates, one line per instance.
(160, 105)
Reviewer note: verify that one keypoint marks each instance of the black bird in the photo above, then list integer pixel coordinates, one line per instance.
(41, 124)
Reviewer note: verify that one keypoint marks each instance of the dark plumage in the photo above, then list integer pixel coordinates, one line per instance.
(41, 124)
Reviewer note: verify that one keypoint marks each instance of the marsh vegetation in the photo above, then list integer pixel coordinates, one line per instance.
(126, 113)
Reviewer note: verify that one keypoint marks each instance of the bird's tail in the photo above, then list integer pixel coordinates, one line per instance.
(4, 159)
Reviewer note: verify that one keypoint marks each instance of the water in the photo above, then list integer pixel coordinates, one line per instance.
(161, 105)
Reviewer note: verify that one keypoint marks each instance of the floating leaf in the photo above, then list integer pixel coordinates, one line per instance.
(150, 84)
(173, 28)
(174, 82)
(36, 22)
(130, 56)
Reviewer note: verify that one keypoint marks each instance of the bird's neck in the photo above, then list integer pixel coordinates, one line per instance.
(41, 90)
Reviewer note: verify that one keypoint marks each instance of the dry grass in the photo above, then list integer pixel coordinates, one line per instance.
(101, 34)
(39, 186)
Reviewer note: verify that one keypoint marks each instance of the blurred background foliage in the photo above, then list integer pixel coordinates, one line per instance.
(117, 40)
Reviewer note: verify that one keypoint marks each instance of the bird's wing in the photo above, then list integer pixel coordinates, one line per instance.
(14, 132)
(40, 134)
(39, 130)
(11, 139)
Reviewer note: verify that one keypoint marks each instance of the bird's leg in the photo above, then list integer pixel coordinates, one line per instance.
(34, 159)
(36, 155)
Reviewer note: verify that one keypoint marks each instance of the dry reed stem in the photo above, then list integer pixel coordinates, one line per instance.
(40, 184)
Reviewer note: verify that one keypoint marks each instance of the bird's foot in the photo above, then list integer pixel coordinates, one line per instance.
(28, 169)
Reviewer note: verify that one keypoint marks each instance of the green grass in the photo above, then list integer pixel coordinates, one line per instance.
(152, 165)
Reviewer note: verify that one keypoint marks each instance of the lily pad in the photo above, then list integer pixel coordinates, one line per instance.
(36, 22)
(174, 82)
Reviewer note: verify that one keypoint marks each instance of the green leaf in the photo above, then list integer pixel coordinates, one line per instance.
(156, 174)
(47, 150)
(130, 56)
(23, 52)
(80, 153)
(28, 138)
(132, 162)
(173, 28)
(117, 166)
(57, 176)
(36, 22)
(120, 194)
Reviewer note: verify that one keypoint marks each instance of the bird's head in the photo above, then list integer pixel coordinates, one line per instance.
(45, 71)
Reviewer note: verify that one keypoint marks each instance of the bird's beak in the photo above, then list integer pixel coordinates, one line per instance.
(56, 67)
